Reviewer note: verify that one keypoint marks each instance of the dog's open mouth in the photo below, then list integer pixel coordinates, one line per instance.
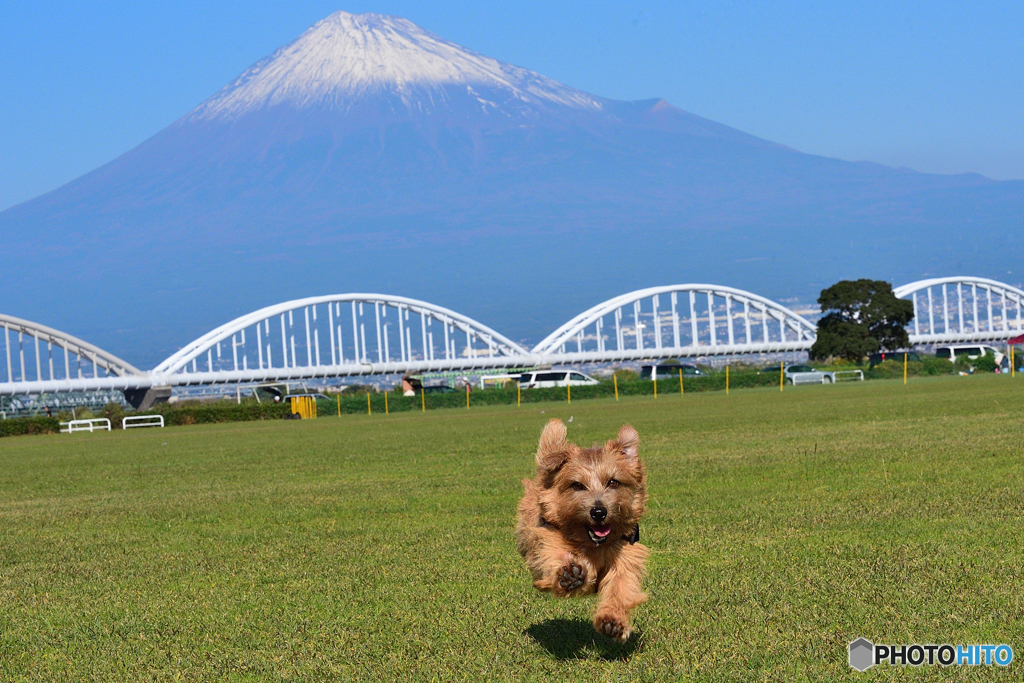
(599, 533)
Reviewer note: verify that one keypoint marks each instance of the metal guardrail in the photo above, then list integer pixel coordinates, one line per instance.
(133, 421)
(806, 378)
(97, 423)
(855, 375)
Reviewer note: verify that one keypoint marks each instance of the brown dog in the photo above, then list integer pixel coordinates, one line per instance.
(579, 524)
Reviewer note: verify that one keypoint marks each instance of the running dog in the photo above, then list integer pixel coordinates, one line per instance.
(579, 524)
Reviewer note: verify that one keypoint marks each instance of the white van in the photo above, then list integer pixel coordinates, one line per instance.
(972, 351)
(543, 379)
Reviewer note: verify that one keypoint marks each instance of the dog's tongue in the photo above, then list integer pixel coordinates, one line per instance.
(601, 531)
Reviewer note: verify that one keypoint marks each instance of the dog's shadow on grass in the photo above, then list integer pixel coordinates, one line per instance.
(576, 639)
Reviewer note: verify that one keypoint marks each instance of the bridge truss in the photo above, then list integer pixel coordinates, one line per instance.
(340, 335)
(678, 321)
(376, 334)
(78, 366)
(960, 309)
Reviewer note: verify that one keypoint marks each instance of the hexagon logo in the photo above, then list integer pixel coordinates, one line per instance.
(862, 654)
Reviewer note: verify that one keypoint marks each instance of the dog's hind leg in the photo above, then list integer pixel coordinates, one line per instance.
(620, 592)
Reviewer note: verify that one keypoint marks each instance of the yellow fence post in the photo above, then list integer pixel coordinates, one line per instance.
(680, 381)
(467, 394)
(615, 381)
(387, 411)
(782, 375)
(1013, 365)
(726, 380)
(423, 401)
(655, 373)
(369, 411)
(519, 394)
(568, 390)
(295, 408)
(339, 405)
(904, 367)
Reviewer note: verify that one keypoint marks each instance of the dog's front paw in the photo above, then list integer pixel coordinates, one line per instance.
(571, 576)
(613, 626)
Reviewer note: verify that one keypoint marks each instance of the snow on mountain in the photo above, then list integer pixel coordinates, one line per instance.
(348, 56)
(371, 155)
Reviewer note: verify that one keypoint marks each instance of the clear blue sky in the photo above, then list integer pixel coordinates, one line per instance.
(936, 86)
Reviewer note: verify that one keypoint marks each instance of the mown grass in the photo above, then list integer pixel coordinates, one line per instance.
(783, 526)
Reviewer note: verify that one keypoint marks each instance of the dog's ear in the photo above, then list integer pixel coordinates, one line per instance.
(628, 442)
(553, 451)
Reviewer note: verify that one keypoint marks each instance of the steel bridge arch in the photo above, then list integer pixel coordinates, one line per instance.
(690, 332)
(349, 350)
(993, 309)
(41, 334)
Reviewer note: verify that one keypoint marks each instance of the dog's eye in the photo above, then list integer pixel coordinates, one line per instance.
(578, 486)
(612, 484)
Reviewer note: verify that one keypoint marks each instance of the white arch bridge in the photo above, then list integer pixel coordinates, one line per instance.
(372, 334)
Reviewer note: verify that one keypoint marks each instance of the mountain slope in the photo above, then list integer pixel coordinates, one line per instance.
(371, 155)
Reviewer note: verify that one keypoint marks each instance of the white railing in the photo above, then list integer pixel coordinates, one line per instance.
(849, 375)
(100, 423)
(133, 421)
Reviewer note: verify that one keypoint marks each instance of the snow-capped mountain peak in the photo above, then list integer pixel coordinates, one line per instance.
(347, 56)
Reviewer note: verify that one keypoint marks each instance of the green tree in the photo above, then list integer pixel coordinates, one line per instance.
(861, 317)
(986, 363)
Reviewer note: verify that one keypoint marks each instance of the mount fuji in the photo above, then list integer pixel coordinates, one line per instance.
(372, 155)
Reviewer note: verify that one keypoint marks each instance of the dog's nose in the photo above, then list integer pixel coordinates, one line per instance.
(598, 513)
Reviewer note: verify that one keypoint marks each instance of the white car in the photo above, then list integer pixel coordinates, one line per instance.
(543, 379)
(972, 351)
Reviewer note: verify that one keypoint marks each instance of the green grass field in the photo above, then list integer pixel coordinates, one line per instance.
(782, 526)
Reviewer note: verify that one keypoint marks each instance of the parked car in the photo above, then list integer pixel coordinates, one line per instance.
(972, 351)
(882, 356)
(439, 389)
(805, 374)
(670, 371)
(554, 378)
